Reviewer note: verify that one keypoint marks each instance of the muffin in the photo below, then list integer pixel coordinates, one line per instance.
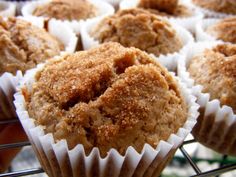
(113, 98)
(165, 7)
(140, 29)
(224, 30)
(212, 66)
(220, 6)
(66, 10)
(214, 69)
(23, 45)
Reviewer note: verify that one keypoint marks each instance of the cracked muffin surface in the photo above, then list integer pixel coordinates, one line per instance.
(66, 10)
(138, 28)
(107, 97)
(223, 6)
(224, 30)
(215, 70)
(23, 45)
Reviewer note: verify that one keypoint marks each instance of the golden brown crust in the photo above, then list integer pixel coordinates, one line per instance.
(66, 10)
(224, 30)
(141, 29)
(223, 6)
(107, 97)
(215, 70)
(23, 45)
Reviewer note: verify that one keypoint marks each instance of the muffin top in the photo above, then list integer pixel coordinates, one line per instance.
(138, 28)
(169, 8)
(23, 45)
(107, 97)
(215, 70)
(66, 9)
(223, 6)
(224, 30)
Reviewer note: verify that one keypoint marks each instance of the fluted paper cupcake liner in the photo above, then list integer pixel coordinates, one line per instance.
(57, 160)
(201, 27)
(8, 84)
(169, 60)
(216, 125)
(209, 13)
(186, 22)
(8, 9)
(114, 3)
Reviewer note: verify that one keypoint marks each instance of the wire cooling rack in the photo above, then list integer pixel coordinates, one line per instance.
(223, 167)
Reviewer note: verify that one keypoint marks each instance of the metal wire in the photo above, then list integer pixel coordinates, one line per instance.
(222, 169)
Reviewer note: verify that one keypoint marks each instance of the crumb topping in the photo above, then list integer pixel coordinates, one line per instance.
(107, 97)
(138, 28)
(23, 45)
(66, 10)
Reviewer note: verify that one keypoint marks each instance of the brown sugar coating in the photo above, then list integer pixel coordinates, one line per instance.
(107, 97)
(224, 30)
(23, 45)
(223, 6)
(66, 10)
(169, 8)
(138, 28)
(215, 70)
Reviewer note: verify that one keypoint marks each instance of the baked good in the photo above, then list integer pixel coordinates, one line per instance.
(162, 5)
(224, 30)
(23, 45)
(106, 97)
(169, 8)
(214, 69)
(222, 6)
(66, 9)
(141, 29)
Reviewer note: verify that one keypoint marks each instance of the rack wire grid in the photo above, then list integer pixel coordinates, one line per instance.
(222, 166)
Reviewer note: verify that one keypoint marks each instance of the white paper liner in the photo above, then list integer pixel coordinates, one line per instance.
(209, 13)
(8, 84)
(8, 9)
(114, 3)
(169, 60)
(103, 8)
(216, 125)
(201, 27)
(186, 22)
(57, 160)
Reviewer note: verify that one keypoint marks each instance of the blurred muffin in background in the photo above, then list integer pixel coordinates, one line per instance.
(66, 9)
(24, 45)
(224, 30)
